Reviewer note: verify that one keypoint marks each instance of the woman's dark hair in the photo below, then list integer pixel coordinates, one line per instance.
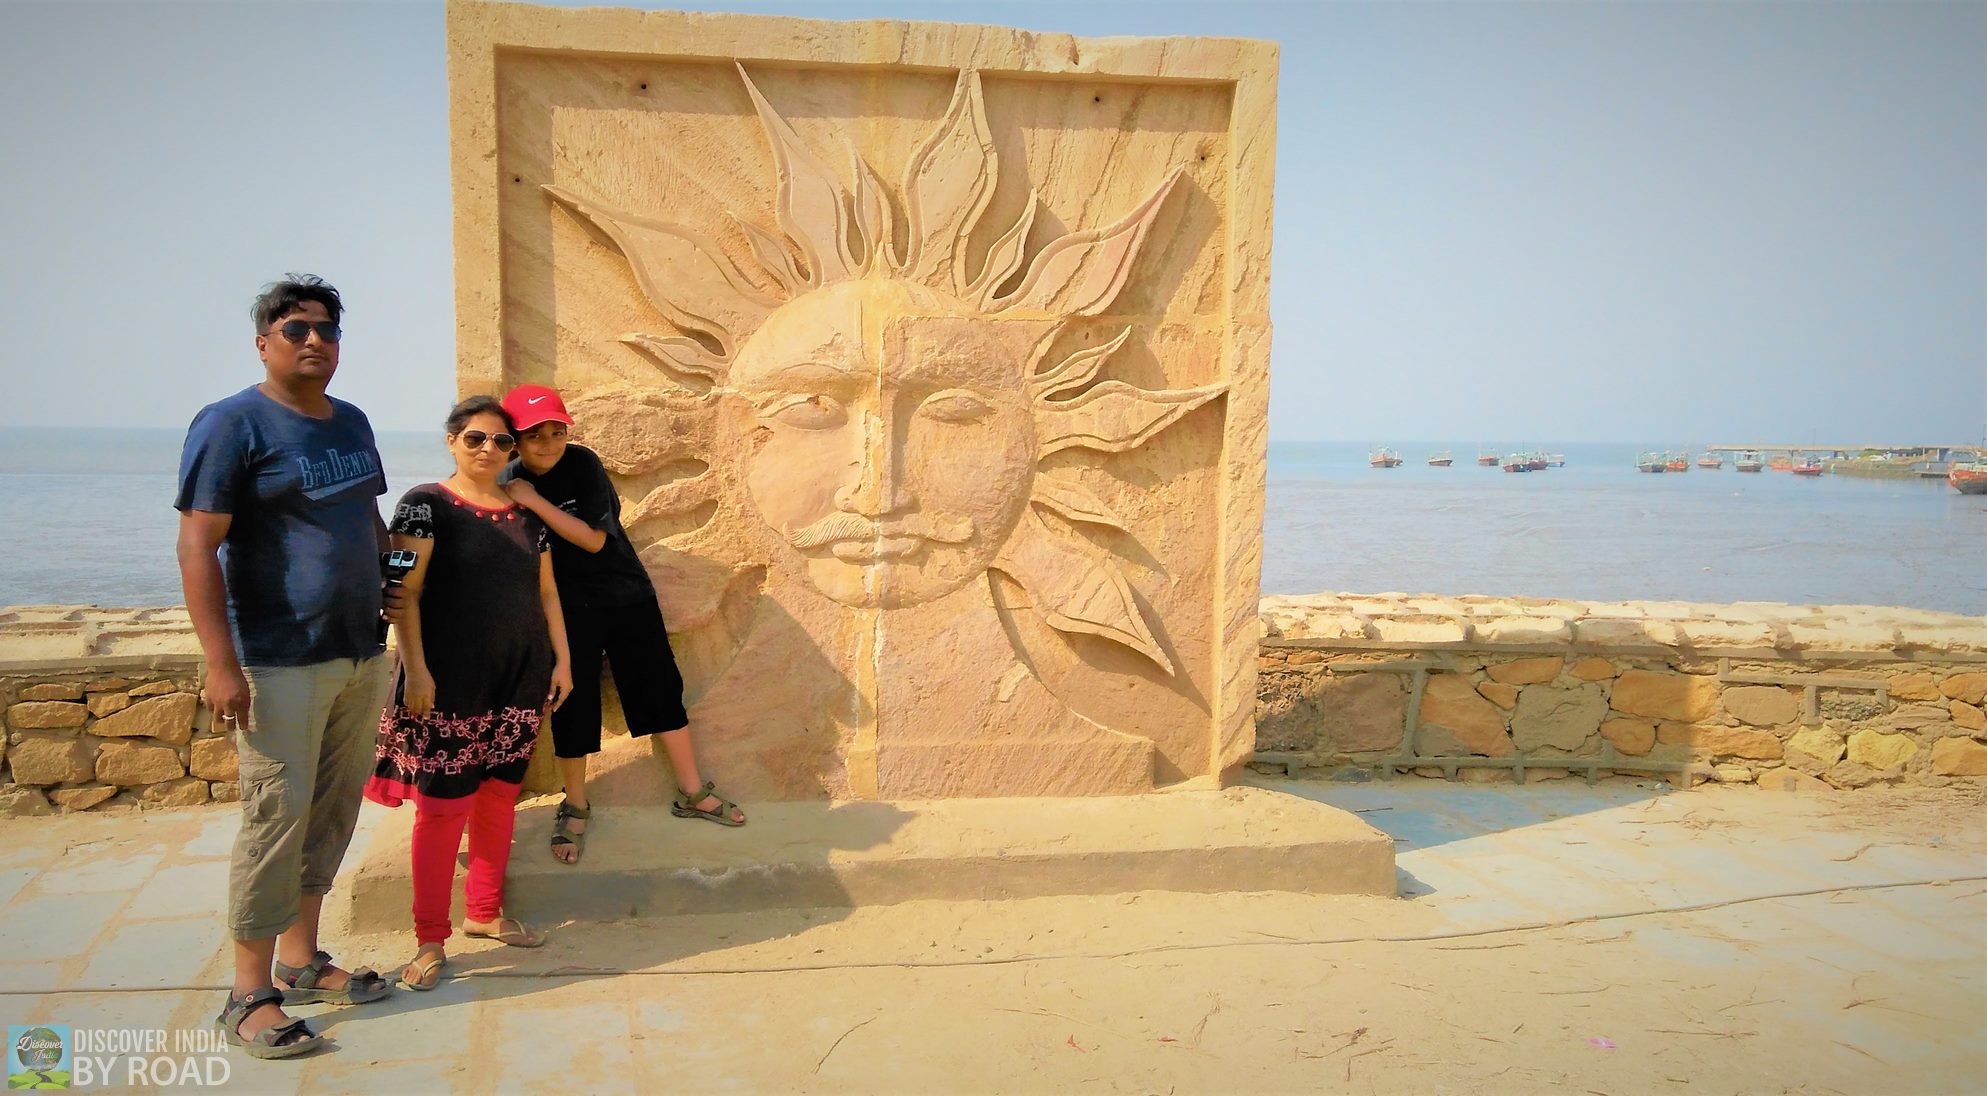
(474, 406)
(279, 299)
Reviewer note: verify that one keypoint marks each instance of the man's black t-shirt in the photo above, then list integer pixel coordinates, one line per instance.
(578, 484)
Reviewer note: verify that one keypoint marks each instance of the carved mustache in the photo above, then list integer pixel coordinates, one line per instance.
(839, 527)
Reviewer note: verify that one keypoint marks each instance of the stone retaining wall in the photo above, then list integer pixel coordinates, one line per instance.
(1483, 688)
(102, 712)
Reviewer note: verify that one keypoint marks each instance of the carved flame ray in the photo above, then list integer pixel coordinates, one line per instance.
(1076, 587)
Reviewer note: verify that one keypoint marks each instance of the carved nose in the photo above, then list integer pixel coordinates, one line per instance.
(879, 487)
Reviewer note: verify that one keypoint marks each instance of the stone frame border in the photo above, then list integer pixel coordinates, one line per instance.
(480, 32)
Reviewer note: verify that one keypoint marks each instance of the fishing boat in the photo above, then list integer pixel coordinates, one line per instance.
(1967, 477)
(1383, 457)
(1651, 462)
(1486, 460)
(1674, 463)
(1710, 461)
(1749, 461)
(1810, 466)
(1781, 464)
(1518, 462)
(1440, 460)
(1555, 460)
(1536, 461)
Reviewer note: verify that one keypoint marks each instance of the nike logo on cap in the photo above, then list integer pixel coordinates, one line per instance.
(535, 400)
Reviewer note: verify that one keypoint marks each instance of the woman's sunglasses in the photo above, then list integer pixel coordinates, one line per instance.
(474, 439)
(298, 330)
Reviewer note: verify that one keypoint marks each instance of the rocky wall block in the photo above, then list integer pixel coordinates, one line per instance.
(1454, 720)
(47, 759)
(46, 715)
(52, 691)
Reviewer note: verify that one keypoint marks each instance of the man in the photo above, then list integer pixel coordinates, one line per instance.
(279, 543)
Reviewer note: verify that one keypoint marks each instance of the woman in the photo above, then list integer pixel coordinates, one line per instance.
(482, 653)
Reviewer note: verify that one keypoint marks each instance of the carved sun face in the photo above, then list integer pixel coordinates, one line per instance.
(892, 443)
(894, 406)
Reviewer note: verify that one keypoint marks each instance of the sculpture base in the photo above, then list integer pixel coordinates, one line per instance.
(645, 862)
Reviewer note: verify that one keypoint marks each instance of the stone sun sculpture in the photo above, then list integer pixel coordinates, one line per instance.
(894, 401)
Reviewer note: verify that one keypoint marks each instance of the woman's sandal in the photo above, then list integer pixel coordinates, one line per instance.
(275, 1041)
(685, 806)
(521, 936)
(306, 981)
(562, 835)
(426, 966)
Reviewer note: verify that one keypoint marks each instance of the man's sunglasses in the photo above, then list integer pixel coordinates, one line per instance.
(298, 330)
(474, 439)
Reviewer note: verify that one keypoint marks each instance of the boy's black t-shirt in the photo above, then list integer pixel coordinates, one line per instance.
(578, 484)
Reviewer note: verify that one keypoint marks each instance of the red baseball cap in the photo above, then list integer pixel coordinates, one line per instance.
(531, 404)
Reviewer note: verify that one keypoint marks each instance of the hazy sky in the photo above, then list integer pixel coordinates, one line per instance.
(1547, 221)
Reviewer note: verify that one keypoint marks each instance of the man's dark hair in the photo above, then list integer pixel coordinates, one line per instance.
(279, 299)
(478, 405)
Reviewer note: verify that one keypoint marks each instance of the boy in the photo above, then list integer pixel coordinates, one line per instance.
(611, 611)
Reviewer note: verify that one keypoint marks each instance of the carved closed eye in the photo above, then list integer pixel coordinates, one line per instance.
(813, 412)
(955, 406)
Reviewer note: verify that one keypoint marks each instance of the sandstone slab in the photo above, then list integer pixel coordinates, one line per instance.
(1455, 720)
(38, 715)
(49, 759)
(1560, 718)
(167, 718)
(1592, 668)
(1967, 717)
(214, 759)
(1044, 412)
(1914, 686)
(1338, 713)
(83, 798)
(1968, 688)
(1632, 737)
(1525, 671)
(1682, 698)
(1708, 741)
(1879, 751)
(1959, 757)
(153, 688)
(184, 792)
(131, 763)
(1761, 705)
(1823, 746)
(226, 791)
(103, 704)
(21, 801)
(1502, 695)
(812, 855)
(1791, 780)
(52, 691)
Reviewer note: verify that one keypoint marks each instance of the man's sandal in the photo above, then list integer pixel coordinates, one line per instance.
(510, 931)
(275, 1041)
(562, 834)
(426, 967)
(685, 806)
(306, 983)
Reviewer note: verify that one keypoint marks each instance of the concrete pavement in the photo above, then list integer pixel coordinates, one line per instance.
(1613, 939)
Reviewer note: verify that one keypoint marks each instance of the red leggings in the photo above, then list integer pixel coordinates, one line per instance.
(490, 815)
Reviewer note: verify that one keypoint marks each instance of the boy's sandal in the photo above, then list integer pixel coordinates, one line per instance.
(512, 932)
(275, 1041)
(685, 806)
(426, 967)
(561, 835)
(360, 986)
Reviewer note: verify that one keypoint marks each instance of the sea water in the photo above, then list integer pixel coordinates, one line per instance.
(88, 519)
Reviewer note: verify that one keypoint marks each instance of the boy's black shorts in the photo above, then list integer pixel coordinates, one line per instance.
(637, 648)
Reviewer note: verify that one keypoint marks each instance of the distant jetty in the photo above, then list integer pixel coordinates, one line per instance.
(1872, 461)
